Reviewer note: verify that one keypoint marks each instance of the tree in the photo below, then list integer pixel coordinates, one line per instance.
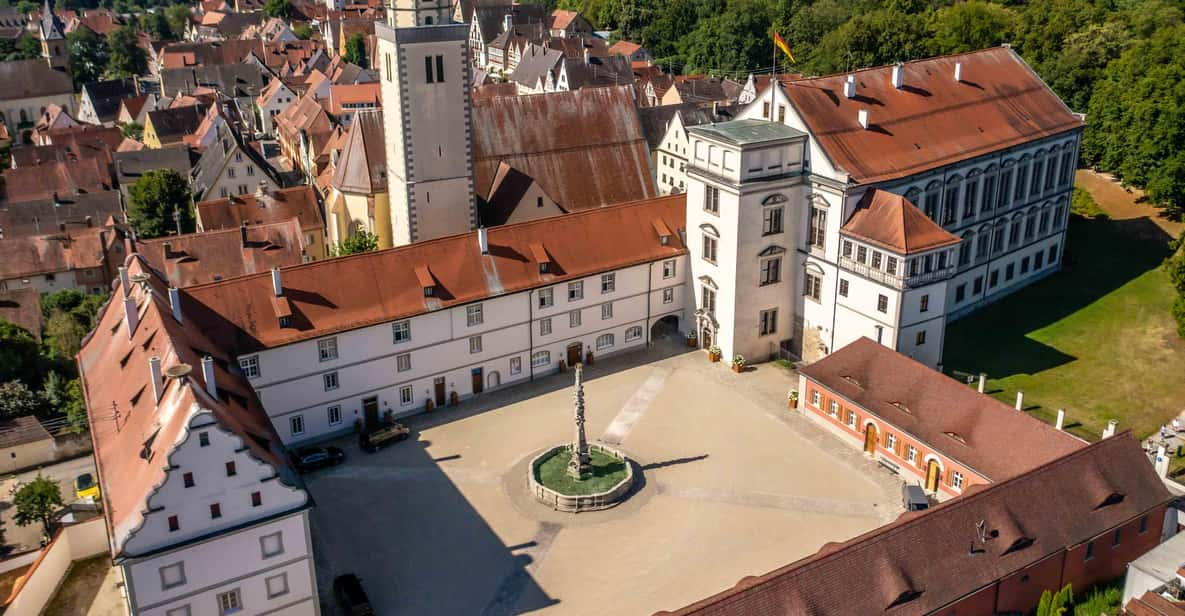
(64, 334)
(37, 501)
(126, 57)
(971, 25)
(356, 50)
(157, 25)
(23, 48)
(358, 242)
(277, 8)
(155, 198)
(20, 357)
(302, 31)
(734, 41)
(75, 407)
(88, 56)
(874, 38)
(17, 400)
(1179, 314)
(1056, 604)
(131, 130)
(53, 391)
(178, 16)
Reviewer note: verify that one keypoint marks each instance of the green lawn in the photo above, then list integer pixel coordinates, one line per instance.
(607, 471)
(1096, 339)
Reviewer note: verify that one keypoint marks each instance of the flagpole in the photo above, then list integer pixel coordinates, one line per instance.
(773, 77)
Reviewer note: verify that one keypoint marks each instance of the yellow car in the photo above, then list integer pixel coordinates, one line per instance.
(85, 487)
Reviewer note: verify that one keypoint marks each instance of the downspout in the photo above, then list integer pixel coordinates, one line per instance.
(649, 300)
(531, 334)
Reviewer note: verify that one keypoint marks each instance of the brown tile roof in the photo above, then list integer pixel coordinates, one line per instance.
(968, 426)
(63, 178)
(22, 307)
(507, 191)
(182, 55)
(306, 115)
(51, 254)
(21, 431)
(624, 48)
(124, 418)
(362, 166)
(41, 216)
(921, 562)
(932, 120)
(31, 79)
(561, 19)
(298, 202)
(350, 292)
(353, 94)
(173, 124)
(198, 258)
(585, 148)
(1153, 604)
(891, 221)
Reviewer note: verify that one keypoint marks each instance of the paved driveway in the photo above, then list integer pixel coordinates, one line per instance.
(20, 538)
(733, 485)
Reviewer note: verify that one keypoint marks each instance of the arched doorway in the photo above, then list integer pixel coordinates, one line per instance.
(494, 379)
(665, 327)
(575, 353)
(870, 439)
(933, 475)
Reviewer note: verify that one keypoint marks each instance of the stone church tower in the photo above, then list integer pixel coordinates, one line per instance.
(424, 71)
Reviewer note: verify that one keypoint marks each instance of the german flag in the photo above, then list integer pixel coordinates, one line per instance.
(780, 43)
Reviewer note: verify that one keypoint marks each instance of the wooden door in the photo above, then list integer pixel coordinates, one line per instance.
(478, 381)
(933, 474)
(370, 410)
(870, 439)
(574, 353)
(439, 391)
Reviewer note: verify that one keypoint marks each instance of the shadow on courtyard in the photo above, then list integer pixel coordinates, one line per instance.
(1101, 256)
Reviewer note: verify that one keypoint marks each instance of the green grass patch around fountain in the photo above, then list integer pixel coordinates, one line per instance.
(552, 472)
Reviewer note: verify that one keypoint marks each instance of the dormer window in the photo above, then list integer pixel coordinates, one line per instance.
(427, 281)
(540, 256)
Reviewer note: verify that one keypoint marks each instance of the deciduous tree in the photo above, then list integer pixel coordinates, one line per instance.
(88, 56)
(17, 400)
(126, 57)
(359, 241)
(155, 199)
(19, 355)
(37, 501)
(356, 50)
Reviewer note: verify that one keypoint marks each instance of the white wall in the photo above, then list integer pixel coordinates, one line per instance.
(72, 543)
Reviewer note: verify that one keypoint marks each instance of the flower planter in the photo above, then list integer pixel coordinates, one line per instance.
(691, 342)
(454, 399)
(737, 368)
(588, 358)
(713, 357)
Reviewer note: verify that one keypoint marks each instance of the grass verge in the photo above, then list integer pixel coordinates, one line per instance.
(552, 472)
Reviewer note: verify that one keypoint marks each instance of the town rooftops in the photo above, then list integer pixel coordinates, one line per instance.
(368, 289)
(130, 166)
(362, 166)
(31, 79)
(258, 208)
(41, 216)
(210, 256)
(52, 253)
(107, 95)
(61, 178)
(921, 562)
(491, 19)
(891, 221)
(747, 132)
(22, 307)
(967, 426)
(598, 157)
(932, 120)
(170, 125)
(22, 431)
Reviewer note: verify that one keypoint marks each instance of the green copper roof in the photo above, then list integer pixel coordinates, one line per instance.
(744, 132)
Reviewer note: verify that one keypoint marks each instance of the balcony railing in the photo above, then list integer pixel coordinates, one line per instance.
(896, 281)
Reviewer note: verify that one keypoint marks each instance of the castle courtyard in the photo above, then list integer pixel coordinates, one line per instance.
(733, 484)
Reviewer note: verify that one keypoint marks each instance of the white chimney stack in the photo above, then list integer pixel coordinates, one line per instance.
(1020, 400)
(277, 287)
(507, 22)
(1061, 419)
(1109, 431)
(158, 382)
(587, 54)
(898, 75)
(125, 283)
(958, 71)
(1162, 461)
(131, 315)
(982, 381)
(208, 375)
(483, 240)
(863, 118)
(175, 302)
(849, 87)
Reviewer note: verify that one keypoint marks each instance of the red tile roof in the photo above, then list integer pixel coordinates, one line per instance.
(64, 178)
(198, 258)
(298, 202)
(362, 166)
(353, 94)
(967, 426)
(598, 157)
(921, 562)
(891, 221)
(22, 307)
(350, 292)
(51, 254)
(932, 120)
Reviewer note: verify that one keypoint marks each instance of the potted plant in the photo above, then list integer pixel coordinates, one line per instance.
(428, 405)
(792, 399)
(713, 353)
(588, 357)
(357, 425)
(453, 398)
(738, 362)
(691, 339)
(563, 366)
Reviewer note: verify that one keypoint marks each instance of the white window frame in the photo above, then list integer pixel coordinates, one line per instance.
(516, 365)
(282, 578)
(474, 344)
(474, 315)
(545, 326)
(296, 424)
(669, 269)
(546, 297)
(541, 359)
(331, 376)
(768, 322)
(605, 341)
(911, 454)
(249, 365)
(401, 332)
(608, 283)
(334, 414)
(403, 362)
(327, 349)
(833, 409)
(851, 419)
(574, 318)
(633, 333)
(815, 398)
(891, 441)
(278, 536)
(668, 296)
(606, 311)
(180, 568)
(406, 395)
(956, 480)
(230, 601)
(576, 291)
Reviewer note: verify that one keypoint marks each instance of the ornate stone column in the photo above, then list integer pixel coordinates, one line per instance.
(579, 466)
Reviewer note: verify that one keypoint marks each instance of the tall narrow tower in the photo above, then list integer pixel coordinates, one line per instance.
(423, 60)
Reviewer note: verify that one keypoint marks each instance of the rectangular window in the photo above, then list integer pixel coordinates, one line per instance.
(846, 248)
(769, 322)
(575, 291)
(921, 338)
(833, 408)
(231, 471)
(179, 611)
(993, 279)
(709, 253)
(296, 424)
(403, 362)
(230, 602)
(1009, 272)
(1024, 265)
(256, 499)
(475, 344)
(969, 198)
(1089, 551)
(250, 366)
(1038, 260)
(335, 414)
(862, 254)
(709, 299)
(771, 220)
(668, 296)
(604, 341)
(668, 269)
(215, 511)
(203, 439)
(891, 441)
(843, 287)
(277, 585)
(608, 283)
(911, 454)
(271, 545)
(960, 293)
(989, 193)
(925, 303)
(950, 204)
(174, 523)
(882, 303)
(516, 365)
(1022, 177)
(977, 285)
(1035, 187)
(818, 228)
(1143, 525)
(546, 297)
(541, 359)
(187, 480)
(891, 265)
(1115, 538)
(329, 380)
(574, 318)
(406, 396)
(633, 333)
(401, 331)
(439, 68)
(1052, 254)
(877, 257)
(428, 73)
(712, 199)
(1005, 187)
(172, 576)
(956, 480)
(473, 315)
(851, 419)
(327, 349)
(771, 271)
(812, 287)
(606, 311)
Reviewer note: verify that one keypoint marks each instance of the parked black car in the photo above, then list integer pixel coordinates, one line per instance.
(347, 588)
(313, 458)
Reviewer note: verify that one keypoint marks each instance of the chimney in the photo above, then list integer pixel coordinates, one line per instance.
(158, 383)
(982, 381)
(483, 240)
(1109, 431)
(208, 376)
(124, 282)
(277, 288)
(175, 303)
(89, 222)
(898, 75)
(1020, 400)
(959, 72)
(168, 248)
(863, 118)
(507, 22)
(586, 55)
(1061, 418)
(243, 233)
(131, 315)
(849, 87)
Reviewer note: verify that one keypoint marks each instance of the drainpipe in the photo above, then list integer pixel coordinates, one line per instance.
(531, 333)
(649, 299)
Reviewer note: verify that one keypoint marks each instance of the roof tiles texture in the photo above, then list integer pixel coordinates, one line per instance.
(22, 307)
(362, 166)
(298, 202)
(892, 221)
(198, 258)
